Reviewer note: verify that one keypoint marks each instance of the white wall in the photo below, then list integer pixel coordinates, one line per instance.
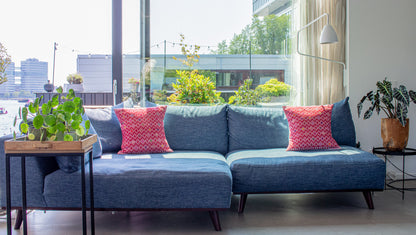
(381, 43)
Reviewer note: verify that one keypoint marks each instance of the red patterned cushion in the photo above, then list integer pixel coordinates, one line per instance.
(142, 130)
(310, 127)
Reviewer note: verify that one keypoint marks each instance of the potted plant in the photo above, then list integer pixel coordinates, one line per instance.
(75, 81)
(53, 121)
(394, 102)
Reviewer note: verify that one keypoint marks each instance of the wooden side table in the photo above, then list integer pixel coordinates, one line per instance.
(405, 152)
(25, 149)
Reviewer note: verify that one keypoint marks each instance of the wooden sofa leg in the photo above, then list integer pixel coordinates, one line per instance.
(215, 220)
(368, 199)
(242, 204)
(19, 219)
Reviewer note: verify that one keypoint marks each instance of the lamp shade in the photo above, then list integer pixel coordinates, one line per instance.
(328, 35)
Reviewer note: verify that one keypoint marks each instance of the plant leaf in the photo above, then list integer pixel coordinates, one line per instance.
(24, 127)
(50, 120)
(387, 102)
(38, 121)
(59, 90)
(55, 101)
(401, 95)
(87, 125)
(60, 126)
(77, 117)
(32, 108)
(52, 129)
(359, 105)
(68, 137)
(45, 109)
(31, 136)
(385, 88)
(80, 131)
(402, 113)
(75, 125)
(412, 95)
(368, 114)
(69, 106)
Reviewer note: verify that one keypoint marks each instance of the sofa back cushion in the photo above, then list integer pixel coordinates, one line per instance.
(71, 164)
(342, 125)
(107, 126)
(257, 128)
(197, 128)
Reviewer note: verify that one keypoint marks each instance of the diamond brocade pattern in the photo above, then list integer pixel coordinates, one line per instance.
(310, 127)
(143, 130)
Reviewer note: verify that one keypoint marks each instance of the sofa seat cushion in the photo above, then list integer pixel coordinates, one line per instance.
(170, 180)
(278, 170)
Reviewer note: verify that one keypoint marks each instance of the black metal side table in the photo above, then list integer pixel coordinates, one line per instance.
(405, 152)
(22, 154)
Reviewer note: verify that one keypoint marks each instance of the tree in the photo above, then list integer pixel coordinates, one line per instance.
(266, 36)
(5, 60)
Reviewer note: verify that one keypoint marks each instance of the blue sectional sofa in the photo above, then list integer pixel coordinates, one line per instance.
(218, 151)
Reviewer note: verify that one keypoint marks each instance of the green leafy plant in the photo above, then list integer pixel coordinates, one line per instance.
(159, 96)
(245, 95)
(5, 60)
(74, 78)
(394, 102)
(54, 121)
(194, 88)
(273, 87)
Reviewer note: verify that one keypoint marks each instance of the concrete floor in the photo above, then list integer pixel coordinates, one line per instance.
(319, 213)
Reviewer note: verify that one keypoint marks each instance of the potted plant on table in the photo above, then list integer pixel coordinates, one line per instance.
(394, 102)
(75, 81)
(53, 121)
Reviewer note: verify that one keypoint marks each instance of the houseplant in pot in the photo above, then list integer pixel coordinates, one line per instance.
(394, 102)
(75, 81)
(54, 120)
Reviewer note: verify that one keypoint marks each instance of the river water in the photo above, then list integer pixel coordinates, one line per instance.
(6, 120)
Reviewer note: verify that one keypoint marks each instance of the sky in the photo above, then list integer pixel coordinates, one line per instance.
(29, 28)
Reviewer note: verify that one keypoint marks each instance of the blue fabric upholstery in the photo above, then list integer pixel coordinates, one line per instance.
(278, 170)
(36, 170)
(197, 128)
(107, 126)
(172, 180)
(257, 128)
(342, 125)
(72, 164)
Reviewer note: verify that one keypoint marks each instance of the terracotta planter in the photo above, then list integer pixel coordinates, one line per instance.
(394, 135)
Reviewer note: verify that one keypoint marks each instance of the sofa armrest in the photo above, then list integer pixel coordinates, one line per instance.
(36, 170)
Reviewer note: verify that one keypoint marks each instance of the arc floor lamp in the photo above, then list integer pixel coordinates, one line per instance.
(328, 36)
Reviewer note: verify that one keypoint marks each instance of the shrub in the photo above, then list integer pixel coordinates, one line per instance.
(245, 95)
(74, 78)
(273, 87)
(194, 88)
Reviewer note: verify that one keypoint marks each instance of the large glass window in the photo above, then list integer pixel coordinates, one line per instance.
(228, 42)
(231, 42)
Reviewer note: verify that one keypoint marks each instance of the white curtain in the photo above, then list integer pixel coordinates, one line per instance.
(317, 81)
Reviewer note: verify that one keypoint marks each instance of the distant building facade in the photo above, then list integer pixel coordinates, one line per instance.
(271, 7)
(34, 75)
(10, 85)
(230, 71)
